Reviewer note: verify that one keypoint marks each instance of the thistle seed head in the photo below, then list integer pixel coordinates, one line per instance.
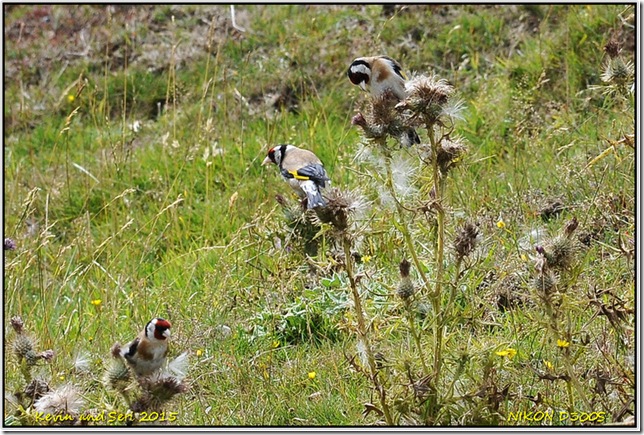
(466, 240)
(341, 204)
(36, 389)
(449, 153)
(65, 400)
(427, 96)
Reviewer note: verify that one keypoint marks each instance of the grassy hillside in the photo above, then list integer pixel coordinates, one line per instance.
(133, 189)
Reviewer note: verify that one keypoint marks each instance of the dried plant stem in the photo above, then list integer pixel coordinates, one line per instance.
(362, 331)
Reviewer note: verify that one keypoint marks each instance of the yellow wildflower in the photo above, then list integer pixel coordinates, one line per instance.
(275, 344)
(96, 302)
(563, 343)
(548, 365)
(71, 98)
(199, 352)
(509, 352)
(500, 224)
(311, 375)
(366, 258)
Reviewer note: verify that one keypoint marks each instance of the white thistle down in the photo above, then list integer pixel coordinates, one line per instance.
(178, 367)
(64, 400)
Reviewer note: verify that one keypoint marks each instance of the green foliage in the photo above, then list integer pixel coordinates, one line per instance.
(314, 317)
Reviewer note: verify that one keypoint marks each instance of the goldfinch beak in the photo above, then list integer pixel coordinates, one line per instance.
(363, 85)
(166, 333)
(266, 161)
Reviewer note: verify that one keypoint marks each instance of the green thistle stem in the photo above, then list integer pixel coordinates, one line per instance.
(412, 327)
(440, 247)
(26, 371)
(362, 330)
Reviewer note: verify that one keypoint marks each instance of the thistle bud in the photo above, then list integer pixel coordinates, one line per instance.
(117, 376)
(545, 282)
(23, 347)
(405, 288)
(560, 252)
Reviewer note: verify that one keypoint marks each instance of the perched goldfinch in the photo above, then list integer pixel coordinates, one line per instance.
(379, 75)
(303, 171)
(147, 352)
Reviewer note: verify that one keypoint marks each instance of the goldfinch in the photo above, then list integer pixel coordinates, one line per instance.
(379, 75)
(303, 171)
(147, 352)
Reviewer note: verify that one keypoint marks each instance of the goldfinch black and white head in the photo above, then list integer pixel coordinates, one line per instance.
(381, 75)
(147, 352)
(303, 171)
(377, 75)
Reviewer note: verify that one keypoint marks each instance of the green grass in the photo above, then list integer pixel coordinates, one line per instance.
(177, 218)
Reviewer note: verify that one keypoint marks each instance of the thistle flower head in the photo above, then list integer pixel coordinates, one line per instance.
(618, 72)
(404, 267)
(157, 390)
(9, 244)
(612, 48)
(17, 324)
(466, 240)
(341, 204)
(449, 153)
(47, 355)
(64, 400)
(381, 120)
(427, 96)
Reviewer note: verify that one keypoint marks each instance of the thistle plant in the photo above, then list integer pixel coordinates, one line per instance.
(430, 105)
(23, 346)
(553, 275)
